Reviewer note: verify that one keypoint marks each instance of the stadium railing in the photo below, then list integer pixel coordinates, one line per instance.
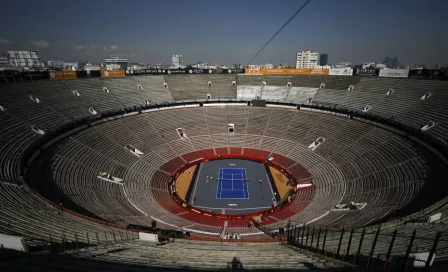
(370, 249)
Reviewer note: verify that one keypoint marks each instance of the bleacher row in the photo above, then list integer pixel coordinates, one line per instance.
(398, 99)
(178, 256)
(356, 163)
(376, 166)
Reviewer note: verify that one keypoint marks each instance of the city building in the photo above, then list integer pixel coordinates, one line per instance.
(136, 66)
(212, 67)
(253, 66)
(4, 61)
(55, 64)
(391, 62)
(368, 65)
(4, 64)
(91, 67)
(25, 60)
(203, 65)
(62, 65)
(72, 66)
(177, 61)
(307, 59)
(342, 64)
(116, 63)
(323, 59)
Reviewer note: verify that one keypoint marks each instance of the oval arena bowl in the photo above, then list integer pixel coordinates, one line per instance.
(104, 162)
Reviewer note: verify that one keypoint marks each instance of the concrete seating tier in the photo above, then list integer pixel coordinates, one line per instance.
(340, 82)
(369, 165)
(355, 163)
(185, 87)
(185, 255)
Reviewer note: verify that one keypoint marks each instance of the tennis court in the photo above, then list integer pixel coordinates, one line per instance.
(232, 184)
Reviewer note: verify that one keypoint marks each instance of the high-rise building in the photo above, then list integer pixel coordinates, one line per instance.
(387, 62)
(4, 62)
(307, 59)
(28, 60)
(116, 63)
(56, 64)
(391, 62)
(395, 62)
(343, 64)
(177, 61)
(323, 59)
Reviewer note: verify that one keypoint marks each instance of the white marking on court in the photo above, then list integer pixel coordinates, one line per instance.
(221, 178)
(234, 209)
(196, 184)
(220, 192)
(267, 178)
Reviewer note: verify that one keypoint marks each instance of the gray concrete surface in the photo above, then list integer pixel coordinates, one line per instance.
(260, 194)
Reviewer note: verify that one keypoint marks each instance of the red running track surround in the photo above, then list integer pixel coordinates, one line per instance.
(163, 184)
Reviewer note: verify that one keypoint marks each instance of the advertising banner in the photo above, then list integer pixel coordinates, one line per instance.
(341, 72)
(394, 73)
(319, 72)
(366, 72)
(112, 73)
(64, 75)
(286, 71)
(252, 71)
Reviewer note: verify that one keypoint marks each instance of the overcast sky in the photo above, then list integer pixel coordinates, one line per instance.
(229, 31)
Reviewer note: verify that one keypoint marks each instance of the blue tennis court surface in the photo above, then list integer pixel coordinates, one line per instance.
(232, 184)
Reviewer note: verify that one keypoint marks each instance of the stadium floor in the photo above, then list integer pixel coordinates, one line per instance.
(233, 187)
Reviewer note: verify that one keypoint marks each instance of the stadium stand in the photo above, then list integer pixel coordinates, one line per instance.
(344, 167)
(356, 162)
(198, 87)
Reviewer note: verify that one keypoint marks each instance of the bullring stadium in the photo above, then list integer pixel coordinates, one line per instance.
(208, 171)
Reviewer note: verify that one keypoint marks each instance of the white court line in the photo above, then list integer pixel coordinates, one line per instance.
(232, 198)
(220, 191)
(268, 181)
(243, 180)
(243, 177)
(217, 186)
(234, 209)
(196, 184)
(232, 169)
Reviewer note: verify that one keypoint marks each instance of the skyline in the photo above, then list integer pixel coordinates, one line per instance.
(228, 32)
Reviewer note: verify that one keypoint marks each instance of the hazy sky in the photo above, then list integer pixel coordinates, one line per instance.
(229, 31)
